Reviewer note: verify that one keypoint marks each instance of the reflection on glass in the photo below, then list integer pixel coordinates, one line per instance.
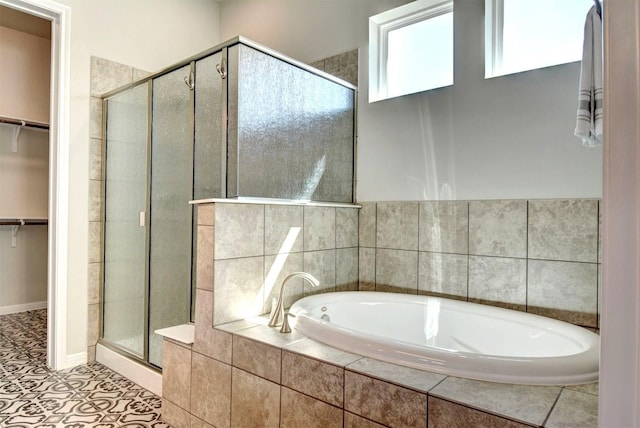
(171, 214)
(290, 131)
(124, 238)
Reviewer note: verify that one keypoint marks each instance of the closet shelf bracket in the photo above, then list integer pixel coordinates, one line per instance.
(16, 136)
(14, 233)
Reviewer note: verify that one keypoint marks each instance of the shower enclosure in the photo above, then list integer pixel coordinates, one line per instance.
(236, 121)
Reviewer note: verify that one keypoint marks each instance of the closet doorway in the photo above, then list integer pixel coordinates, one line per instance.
(25, 61)
(57, 17)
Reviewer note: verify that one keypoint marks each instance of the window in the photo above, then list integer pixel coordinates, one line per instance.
(524, 35)
(411, 49)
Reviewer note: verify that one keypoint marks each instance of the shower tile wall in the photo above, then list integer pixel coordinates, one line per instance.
(105, 76)
(539, 256)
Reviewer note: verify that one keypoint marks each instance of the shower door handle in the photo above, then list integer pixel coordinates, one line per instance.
(142, 218)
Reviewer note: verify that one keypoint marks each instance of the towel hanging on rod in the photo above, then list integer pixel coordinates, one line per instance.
(590, 90)
(598, 8)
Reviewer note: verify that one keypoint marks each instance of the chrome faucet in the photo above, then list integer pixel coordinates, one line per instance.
(279, 310)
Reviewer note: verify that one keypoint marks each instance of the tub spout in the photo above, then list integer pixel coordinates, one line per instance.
(278, 313)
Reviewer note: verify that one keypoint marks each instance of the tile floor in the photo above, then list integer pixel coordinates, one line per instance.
(90, 395)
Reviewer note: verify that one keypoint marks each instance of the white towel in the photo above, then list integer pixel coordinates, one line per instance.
(589, 121)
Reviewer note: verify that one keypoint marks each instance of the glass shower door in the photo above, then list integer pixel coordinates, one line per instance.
(171, 214)
(124, 314)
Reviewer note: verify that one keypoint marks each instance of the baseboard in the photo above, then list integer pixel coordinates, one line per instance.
(138, 373)
(73, 360)
(14, 309)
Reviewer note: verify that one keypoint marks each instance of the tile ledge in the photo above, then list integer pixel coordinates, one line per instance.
(266, 201)
(182, 333)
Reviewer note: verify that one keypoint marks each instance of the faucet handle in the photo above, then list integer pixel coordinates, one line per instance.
(285, 324)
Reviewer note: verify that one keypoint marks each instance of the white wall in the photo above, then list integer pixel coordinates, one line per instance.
(146, 34)
(508, 137)
(25, 62)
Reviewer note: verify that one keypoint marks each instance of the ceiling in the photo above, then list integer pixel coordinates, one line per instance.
(19, 21)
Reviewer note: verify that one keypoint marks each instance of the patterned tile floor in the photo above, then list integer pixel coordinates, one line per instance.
(90, 395)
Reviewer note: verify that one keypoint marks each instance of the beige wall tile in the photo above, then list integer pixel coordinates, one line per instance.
(204, 258)
(498, 228)
(445, 414)
(366, 269)
(444, 226)
(443, 273)
(95, 200)
(322, 265)
(319, 228)
(239, 230)
(197, 423)
(367, 224)
(347, 269)
(206, 214)
(343, 66)
(322, 352)
(93, 324)
(139, 74)
(588, 388)
(238, 291)
(397, 270)
(314, 378)
(397, 225)
(95, 242)
(564, 230)
(94, 283)
(383, 402)
(257, 358)
(282, 222)
(256, 401)
(346, 227)
(407, 377)
(209, 341)
(210, 390)
(499, 280)
(574, 409)
(525, 403)
(355, 421)
(174, 415)
(108, 75)
(318, 64)
(276, 269)
(176, 374)
(301, 411)
(564, 290)
(95, 159)
(95, 124)
(271, 335)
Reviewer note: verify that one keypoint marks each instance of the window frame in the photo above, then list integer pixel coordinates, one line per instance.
(493, 35)
(379, 27)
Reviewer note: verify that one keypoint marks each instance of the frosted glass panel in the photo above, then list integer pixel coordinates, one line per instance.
(171, 214)
(208, 129)
(125, 198)
(290, 131)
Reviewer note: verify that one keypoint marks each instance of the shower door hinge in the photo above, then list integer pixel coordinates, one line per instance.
(188, 80)
(222, 68)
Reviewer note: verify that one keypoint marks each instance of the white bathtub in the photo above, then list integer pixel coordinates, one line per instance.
(451, 337)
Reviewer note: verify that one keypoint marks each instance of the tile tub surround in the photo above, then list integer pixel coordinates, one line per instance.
(261, 377)
(245, 250)
(539, 256)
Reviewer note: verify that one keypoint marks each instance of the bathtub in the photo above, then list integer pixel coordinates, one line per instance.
(451, 337)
